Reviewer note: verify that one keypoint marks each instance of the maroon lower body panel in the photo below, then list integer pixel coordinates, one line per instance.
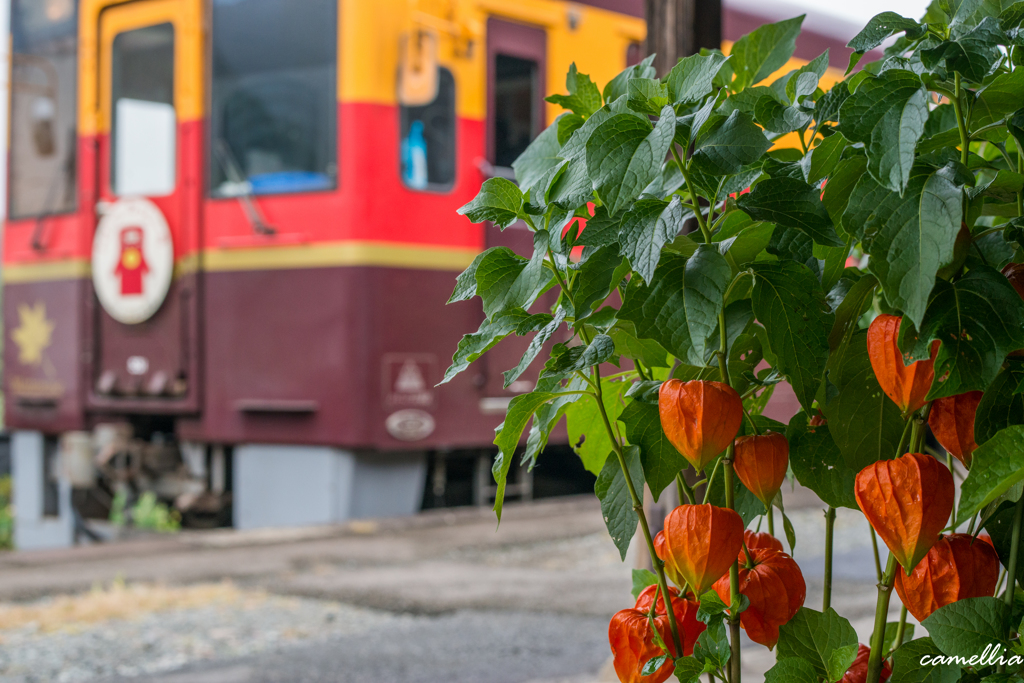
(341, 356)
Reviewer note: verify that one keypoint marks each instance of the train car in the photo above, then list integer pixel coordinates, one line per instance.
(231, 234)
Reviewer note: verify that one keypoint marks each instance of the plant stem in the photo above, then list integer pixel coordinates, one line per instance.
(707, 489)
(874, 546)
(830, 525)
(903, 437)
(683, 489)
(734, 578)
(961, 123)
(881, 614)
(693, 196)
(1011, 570)
(638, 506)
(901, 629)
(734, 570)
(771, 520)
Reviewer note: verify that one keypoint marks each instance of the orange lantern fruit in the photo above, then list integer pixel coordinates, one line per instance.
(906, 385)
(700, 418)
(1014, 272)
(685, 610)
(699, 544)
(632, 639)
(957, 567)
(858, 671)
(754, 539)
(773, 583)
(907, 501)
(761, 463)
(952, 423)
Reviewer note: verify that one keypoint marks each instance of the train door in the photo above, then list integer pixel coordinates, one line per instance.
(148, 185)
(516, 66)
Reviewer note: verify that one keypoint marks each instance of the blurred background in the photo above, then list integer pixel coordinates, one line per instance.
(229, 237)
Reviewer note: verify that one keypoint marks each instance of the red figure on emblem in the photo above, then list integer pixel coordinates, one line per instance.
(132, 266)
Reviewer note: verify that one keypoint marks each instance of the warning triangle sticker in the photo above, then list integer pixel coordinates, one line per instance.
(410, 379)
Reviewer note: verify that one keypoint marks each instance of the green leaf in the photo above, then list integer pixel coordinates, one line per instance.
(712, 646)
(779, 118)
(964, 628)
(566, 124)
(907, 667)
(597, 277)
(787, 299)
(498, 201)
(880, 27)
(1000, 528)
(805, 80)
(729, 145)
(679, 309)
(887, 114)
(915, 238)
(616, 502)
(818, 464)
(505, 280)
(534, 347)
(825, 158)
(891, 629)
(692, 77)
(642, 578)
(652, 665)
(864, 423)
(646, 228)
(791, 671)
(979, 320)
(998, 464)
(827, 107)
(520, 410)
(997, 99)
(840, 188)
(573, 188)
(474, 345)
(587, 433)
(619, 86)
(973, 54)
(647, 96)
(848, 313)
(1001, 405)
(791, 203)
(660, 459)
(688, 670)
(465, 283)
(647, 351)
(540, 163)
(624, 154)
(763, 51)
(549, 415)
(584, 98)
(826, 640)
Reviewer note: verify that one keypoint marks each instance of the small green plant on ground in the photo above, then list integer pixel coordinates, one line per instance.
(6, 514)
(652, 349)
(148, 513)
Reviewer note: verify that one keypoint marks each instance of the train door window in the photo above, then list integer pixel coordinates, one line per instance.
(143, 134)
(428, 139)
(43, 135)
(515, 113)
(273, 126)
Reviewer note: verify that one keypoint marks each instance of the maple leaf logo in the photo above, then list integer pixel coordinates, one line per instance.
(34, 334)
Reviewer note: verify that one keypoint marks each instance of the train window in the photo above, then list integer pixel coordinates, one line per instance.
(43, 107)
(143, 139)
(428, 139)
(273, 120)
(515, 92)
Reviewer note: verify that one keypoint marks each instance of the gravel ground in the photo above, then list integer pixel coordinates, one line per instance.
(256, 637)
(167, 640)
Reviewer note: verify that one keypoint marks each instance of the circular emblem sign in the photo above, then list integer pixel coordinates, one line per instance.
(132, 260)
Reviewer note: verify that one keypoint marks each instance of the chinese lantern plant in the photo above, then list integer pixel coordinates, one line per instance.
(664, 343)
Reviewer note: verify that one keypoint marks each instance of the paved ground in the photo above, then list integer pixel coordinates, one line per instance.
(439, 597)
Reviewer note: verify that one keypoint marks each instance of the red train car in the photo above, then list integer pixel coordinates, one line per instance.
(231, 232)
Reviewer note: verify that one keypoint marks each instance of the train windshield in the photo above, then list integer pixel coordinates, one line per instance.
(43, 89)
(273, 120)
